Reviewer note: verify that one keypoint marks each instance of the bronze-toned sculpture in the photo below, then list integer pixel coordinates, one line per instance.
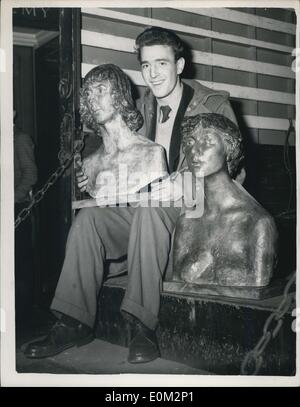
(125, 161)
(233, 243)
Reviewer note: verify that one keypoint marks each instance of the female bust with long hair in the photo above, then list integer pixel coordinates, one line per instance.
(107, 107)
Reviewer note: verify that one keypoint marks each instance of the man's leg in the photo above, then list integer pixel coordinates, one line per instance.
(148, 256)
(96, 234)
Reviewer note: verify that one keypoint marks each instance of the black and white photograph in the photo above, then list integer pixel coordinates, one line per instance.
(149, 194)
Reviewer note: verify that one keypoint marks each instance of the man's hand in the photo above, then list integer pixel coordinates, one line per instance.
(82, 180)
(170, 189)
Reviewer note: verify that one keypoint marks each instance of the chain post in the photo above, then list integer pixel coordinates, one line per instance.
(255, 355)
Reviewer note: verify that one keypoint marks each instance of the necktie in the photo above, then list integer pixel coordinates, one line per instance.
(165, 111)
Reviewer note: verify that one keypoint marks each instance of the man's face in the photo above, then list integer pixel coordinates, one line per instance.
(160, 70)
(204, 151)
(100, 102)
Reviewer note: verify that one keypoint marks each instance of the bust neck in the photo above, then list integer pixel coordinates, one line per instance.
(116, 135)
(219, 192)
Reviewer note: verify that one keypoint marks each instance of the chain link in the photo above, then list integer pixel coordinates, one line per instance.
(253, 361)
(39, 195)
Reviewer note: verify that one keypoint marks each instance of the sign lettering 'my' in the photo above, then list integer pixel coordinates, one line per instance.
(34, 12)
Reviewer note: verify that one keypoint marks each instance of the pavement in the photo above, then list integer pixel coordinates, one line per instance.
(98, 357)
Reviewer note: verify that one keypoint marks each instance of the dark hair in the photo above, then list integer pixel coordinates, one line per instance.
(228, 131)
(159, 36)
(121, 95)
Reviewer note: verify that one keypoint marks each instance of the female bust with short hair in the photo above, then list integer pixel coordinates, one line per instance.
(233, 243)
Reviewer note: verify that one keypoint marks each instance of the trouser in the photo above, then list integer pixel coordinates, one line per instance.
(99, 234)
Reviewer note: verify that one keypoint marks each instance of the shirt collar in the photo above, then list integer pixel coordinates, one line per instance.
(173, 99)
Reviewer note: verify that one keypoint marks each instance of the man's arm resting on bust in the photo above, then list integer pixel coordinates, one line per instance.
(169, 189)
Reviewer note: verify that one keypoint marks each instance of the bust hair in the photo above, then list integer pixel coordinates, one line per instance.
(121, 95)
(225, 128)
(159, 36)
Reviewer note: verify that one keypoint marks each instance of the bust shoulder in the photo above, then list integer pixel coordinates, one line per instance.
(265, 228)
(141, 143)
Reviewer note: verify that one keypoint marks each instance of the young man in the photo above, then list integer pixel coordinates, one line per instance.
(143, 234)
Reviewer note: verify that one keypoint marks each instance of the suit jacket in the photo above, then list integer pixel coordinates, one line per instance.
(196, 99)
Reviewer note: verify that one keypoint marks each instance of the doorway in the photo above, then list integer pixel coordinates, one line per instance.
(36, 100)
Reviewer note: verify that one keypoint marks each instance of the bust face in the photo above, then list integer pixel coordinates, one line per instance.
(204, 151)
(99, 100)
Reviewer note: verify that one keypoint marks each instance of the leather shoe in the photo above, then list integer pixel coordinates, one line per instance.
(62, 336)
(143, 347)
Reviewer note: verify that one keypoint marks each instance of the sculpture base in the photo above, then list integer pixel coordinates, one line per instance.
(210, 333)
(255, 293)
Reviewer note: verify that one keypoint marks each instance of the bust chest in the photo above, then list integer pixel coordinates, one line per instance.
(211, 250)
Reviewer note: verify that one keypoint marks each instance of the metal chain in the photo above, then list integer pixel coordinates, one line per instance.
(253, 360)
(39, 195)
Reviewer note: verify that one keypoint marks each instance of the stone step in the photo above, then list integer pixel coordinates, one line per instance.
(205, 332)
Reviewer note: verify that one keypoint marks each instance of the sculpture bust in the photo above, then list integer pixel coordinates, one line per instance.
(125, 161)
(233, 243)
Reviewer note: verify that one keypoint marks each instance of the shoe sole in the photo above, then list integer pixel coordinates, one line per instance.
(78, 344)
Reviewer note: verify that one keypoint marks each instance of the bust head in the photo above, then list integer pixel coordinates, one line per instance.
(117, 87)
(211, 142)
